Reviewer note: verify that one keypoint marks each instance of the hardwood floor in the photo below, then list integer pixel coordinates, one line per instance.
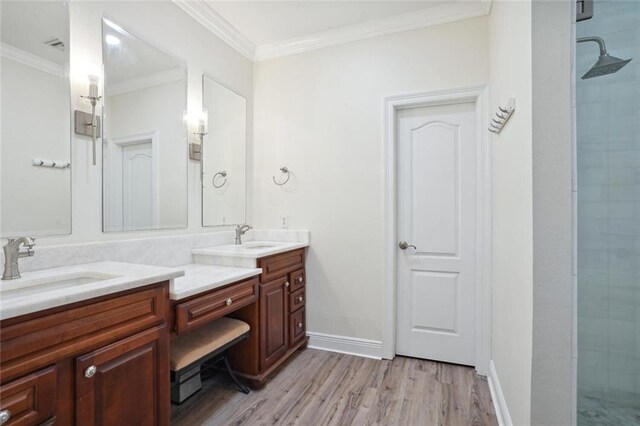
(326, 388)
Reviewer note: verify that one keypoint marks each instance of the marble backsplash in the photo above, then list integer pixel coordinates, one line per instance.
(169, 251)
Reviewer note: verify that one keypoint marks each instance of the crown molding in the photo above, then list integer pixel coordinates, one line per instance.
(441, 14)
(449, 12)
(215, 23)
(21, 56)
(150, 80)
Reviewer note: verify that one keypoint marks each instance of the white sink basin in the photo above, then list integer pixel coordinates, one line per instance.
(22, 287)
(256, 246)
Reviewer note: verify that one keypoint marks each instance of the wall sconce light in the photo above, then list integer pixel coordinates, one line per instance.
(88, 124)
(200, 119)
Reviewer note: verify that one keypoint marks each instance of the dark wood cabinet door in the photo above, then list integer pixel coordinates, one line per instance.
(126, 382)
(273, 321)
(30, 400)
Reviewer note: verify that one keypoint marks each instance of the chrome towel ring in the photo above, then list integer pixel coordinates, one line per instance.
(223, 173)
(286, 172)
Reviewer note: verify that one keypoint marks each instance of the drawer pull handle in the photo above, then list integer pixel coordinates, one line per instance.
(229, 301)
(90, 372)
(300, 299)
(286, 284)
(299, 325)
(300, 280)
(5, 416)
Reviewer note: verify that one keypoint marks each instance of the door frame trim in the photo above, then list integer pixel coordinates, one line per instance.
(479, 96)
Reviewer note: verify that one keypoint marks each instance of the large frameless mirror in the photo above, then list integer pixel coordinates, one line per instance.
(144, 136)
(35, 154)
(223, 155)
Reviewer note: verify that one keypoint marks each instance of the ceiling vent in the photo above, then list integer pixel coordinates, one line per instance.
(56, 43)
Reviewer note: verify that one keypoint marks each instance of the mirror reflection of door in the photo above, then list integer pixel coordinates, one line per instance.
(137, 186)
(132, 166)
(144, 138)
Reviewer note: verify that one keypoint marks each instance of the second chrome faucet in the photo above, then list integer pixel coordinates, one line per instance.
(240, 231)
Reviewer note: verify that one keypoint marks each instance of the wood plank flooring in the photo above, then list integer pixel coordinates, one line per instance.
(326, 388)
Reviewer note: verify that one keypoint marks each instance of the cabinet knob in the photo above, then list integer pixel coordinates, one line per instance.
(300, 299)
(229, 301)
(286, 284)
(90, 372)
(300, 280)
(5, 416)
(299, 325)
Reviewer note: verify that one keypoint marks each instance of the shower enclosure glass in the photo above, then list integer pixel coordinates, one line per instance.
(608, 194)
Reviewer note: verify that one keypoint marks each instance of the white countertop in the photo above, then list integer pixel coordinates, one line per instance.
(251, 249)
(200, 278)
(40, 290)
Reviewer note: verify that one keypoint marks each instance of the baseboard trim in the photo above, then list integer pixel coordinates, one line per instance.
(345, 345)
(499, 403)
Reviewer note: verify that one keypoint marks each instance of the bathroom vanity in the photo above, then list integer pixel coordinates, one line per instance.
(272, 303)
(91, 361)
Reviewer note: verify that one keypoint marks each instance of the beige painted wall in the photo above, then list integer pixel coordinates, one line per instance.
(510, 65)
(320, 114)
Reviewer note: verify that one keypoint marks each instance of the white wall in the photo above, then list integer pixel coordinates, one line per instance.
(510, 52)
(551, 370)
(320, 114)
(35, 124)
(171, 29)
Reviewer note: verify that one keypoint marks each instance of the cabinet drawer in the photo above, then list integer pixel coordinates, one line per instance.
(297, 279)
(216, 304)
(280, 264)
(297, 300)
(31, 399)
(297, 326)
(28, 344)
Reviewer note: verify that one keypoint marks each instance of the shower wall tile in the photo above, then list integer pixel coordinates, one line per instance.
(608, 184)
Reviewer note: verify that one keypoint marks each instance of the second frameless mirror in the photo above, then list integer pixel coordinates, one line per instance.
(223, 155)
(144, 137)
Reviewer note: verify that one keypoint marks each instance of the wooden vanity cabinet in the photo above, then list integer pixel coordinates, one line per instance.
(274, 341)
(279, 318)
(101, 361)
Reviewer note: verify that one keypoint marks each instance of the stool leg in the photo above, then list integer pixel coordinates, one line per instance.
(242, 387)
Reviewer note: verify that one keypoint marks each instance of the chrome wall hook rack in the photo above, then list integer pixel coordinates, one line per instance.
(285, 171)
(502, 116)
(223, 174)
(53, 164)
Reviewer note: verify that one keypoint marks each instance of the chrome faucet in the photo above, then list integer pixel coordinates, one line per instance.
(240, 231)
(12, 253)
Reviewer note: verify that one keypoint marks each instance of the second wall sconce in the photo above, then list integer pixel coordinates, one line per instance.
(89, 124)
(201, 120)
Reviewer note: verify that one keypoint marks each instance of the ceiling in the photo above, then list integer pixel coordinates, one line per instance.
(266, 22)
(27, 25)
(265, 29)
(132, 57)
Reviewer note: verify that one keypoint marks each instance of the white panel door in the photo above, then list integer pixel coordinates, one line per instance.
(436, 213)
(137, 186)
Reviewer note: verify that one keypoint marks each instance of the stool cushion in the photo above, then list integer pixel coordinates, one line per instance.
(190, 347)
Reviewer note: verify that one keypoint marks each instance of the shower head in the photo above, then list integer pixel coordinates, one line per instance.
(606, 64)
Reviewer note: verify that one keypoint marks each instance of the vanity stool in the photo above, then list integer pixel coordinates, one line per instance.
(207, 343)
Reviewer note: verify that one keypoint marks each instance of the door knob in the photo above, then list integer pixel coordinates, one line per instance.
(405, 245)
